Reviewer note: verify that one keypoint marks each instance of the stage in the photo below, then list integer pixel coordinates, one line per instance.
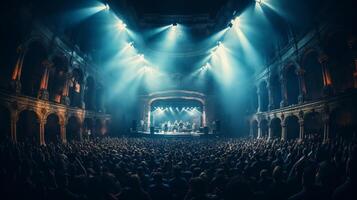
(172, 134)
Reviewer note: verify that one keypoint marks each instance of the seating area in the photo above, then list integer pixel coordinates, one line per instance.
(180, 168)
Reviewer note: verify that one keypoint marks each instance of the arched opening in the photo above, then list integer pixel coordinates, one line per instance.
(264, 99)
(90, 94)
(292, 127)
(313, 124)
(28, 129)
(275, 126)
(264, 128)
(52, 129)
(313, 76)
(75, 88)
(276, 90)
(254, 128)
(343, 122)
(73, 129)
(32, 69)
(89, 128)
(57, 78)
(292, 85)
(341, 66)
(5, 130)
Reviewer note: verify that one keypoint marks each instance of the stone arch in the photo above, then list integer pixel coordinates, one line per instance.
(275, 125)
(5, 123)
(292, 84)
(57, 77)
(90, 93)
(254, 128)
(263, 96)
(27, 127)
(292, 127)
(73, 129)
(313, 75)
(313, 124)
(76, 87)
(52, 129)
(343, 122)
(32, 69)
(340, 63)
(275, 90)
(264, 128)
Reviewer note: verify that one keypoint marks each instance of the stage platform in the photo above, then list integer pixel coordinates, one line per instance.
(173, 134)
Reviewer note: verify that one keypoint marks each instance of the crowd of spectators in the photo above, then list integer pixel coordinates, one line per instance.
(180, 168)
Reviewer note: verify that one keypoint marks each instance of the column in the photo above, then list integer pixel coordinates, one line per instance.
(326, 122)
(65, 92)
(284, 92)
(42, 124)
(259, 131)
(204, 124)
(14, 118)
(82, 103)
(301, 132)
(302, 86)
(259, 99)
(270, 131)
(326, 76)
(43, 92)
(16, 74)
(284, 134)
(63, 131)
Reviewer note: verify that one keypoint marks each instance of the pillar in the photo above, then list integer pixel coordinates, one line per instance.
(63, 131)
(14, 118)
(284, 134)
(284, 92)
(302, 86)
(82, 103)
(65, 92)
(259, 99)
(43, 92)
(259, 131)
(326, 122)
(42, 124)
(326, 76)
(149, 116)
(301, 129)
(270, 131)
(204, 124)
(16, 74)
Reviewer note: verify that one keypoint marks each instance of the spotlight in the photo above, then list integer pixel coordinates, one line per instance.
(141, 57)
(121, 25)
(259, 2)
(107, 6)
(234, 22)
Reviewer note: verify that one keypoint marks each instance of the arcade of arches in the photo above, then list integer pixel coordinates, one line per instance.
(52, 96)
(305, 96)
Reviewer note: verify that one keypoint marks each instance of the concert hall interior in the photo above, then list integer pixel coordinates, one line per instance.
(178, 99)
